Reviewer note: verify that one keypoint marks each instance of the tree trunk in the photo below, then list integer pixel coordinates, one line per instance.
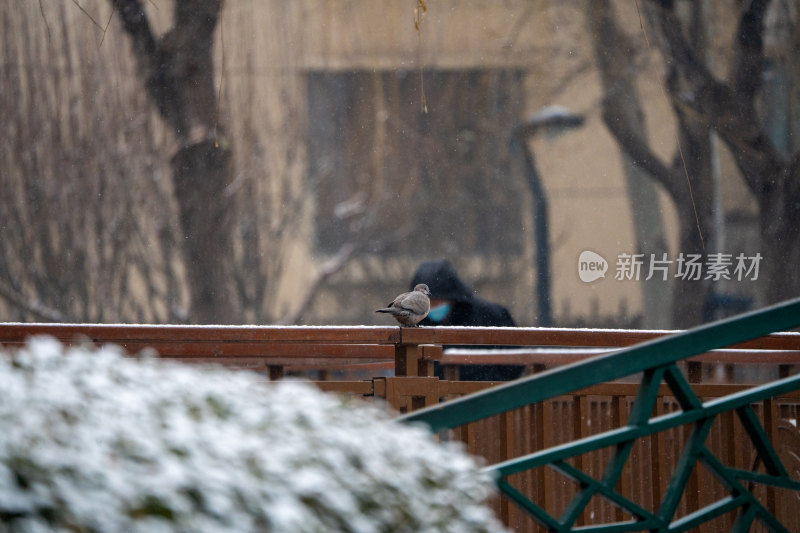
(696, 210)
(692, 194)
(198, 175)
(621, 102)
(178, 73)
(779, 213)
(689, 295)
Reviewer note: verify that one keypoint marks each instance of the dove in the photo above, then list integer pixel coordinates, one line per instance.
(410, 307)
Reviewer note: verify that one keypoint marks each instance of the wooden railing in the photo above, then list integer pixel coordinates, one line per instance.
(403, 358)
(404, 351)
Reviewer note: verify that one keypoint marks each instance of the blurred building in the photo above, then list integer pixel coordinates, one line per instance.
(340, 139)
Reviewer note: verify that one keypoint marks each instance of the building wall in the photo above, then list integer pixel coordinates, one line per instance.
(268, 50)
(281, 43)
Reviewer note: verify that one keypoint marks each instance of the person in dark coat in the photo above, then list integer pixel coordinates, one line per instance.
(453, 303)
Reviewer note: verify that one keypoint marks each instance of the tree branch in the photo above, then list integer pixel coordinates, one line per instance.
(328, 269)
(748, 59)
(35, 308)
(640, 153)
(134, 21)
(613, 50)
(729, 108)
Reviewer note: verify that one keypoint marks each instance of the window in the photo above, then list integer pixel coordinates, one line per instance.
(460, 192)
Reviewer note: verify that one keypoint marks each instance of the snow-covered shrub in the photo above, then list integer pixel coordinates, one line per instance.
(92, 441)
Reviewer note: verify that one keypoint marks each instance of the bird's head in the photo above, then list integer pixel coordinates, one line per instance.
(423, 289)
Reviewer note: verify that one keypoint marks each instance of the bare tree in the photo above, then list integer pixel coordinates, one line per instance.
(92, 223)
(86, 232)
(623, 112)
(177, 71)
(703, 103)
(732, 108)
(687, 179)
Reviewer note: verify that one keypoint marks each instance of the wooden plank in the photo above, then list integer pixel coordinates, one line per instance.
(507, 439)
(348, 365)
(619, 414)
(580, 430)
(265, 350)
(18, 332)
(771, 429)
(345, 387)
(525, 336)
(406, 358)
(317, 363)
(545, 477)
(570, 337)
(561, 357)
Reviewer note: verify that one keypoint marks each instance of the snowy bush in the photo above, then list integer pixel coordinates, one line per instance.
(92, 441)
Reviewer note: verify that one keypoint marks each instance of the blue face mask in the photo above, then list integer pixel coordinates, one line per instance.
(439, 313)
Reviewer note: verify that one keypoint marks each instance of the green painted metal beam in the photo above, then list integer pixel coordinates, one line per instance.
(534, 510)
(750, 504)
(709, 512)
(604, 490)
(751, 508)
(654, 425)
(684, 467)
(646, 397)
(766, 479)
(617, 527)
(744, 520)
(563, 380)
(761, 441)
(683, 392)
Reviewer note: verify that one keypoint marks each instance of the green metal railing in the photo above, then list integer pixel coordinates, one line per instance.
(656, 360)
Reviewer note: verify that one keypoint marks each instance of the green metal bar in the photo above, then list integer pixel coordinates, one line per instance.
(709, 512)
(617, 527)
(616, 464)
(761, 441)
(764, 479)
(683, 468)
(724, 474)
(640, 413)
(727, 477)
(655, 425)
(604, 490)
(646, 396)
(539, 514)
(565, 379)
(587, 489)
(744, 520)
(589, 486)
(681, 389)
(770, 522)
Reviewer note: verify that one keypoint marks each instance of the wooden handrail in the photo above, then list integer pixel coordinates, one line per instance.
(558, 357)
(410, 350)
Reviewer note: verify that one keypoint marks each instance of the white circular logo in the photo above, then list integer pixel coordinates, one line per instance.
(591, 266)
